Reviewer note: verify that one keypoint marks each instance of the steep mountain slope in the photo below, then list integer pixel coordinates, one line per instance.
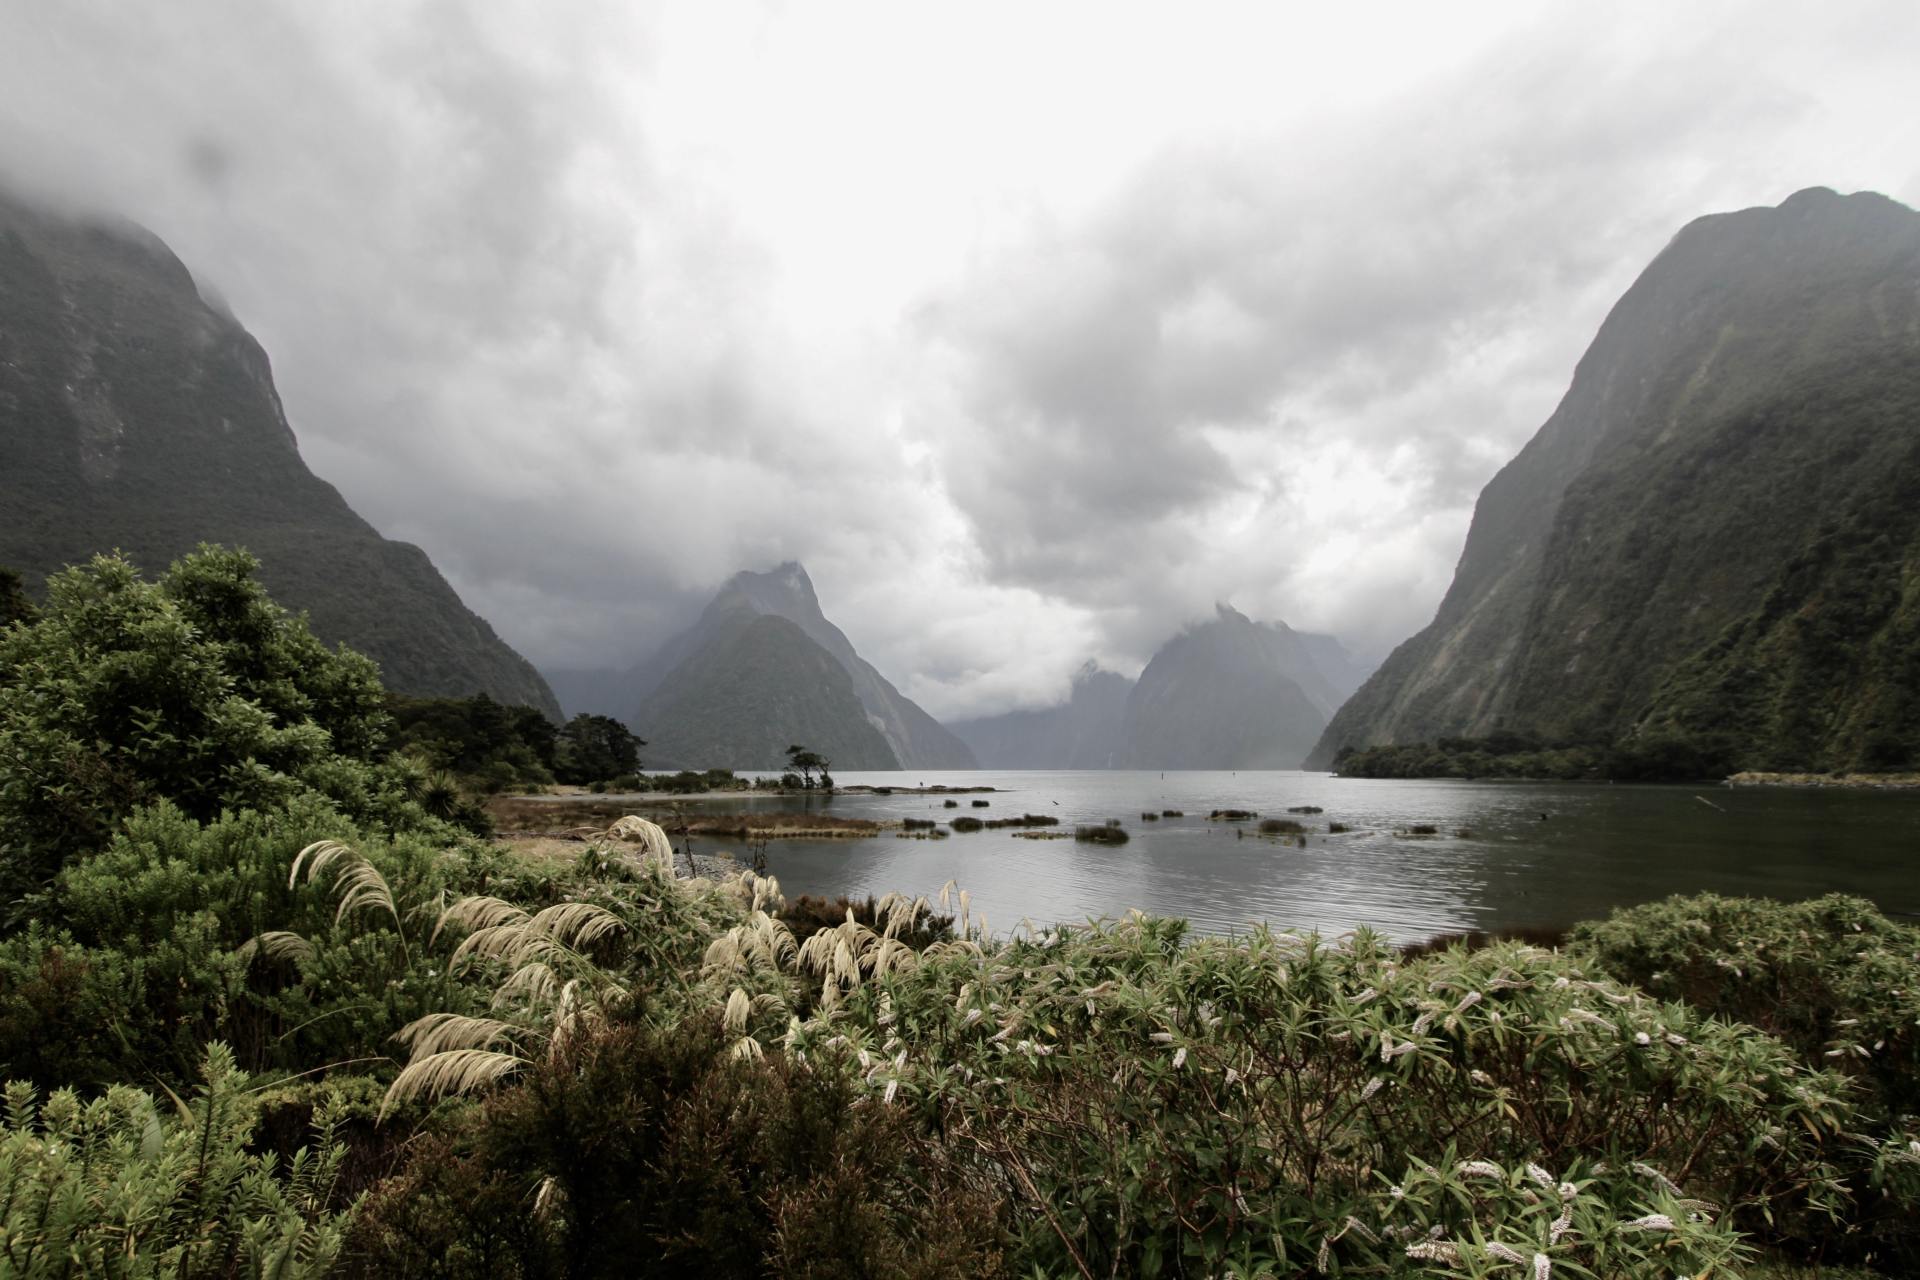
(133, 415)
(1083, 732)
(755, 685)
(1343, 670)
(1228, 694)
(915, 739)
(1717, 534)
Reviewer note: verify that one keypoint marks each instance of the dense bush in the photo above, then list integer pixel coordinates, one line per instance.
(196, 689)
(1157, 1105)
(1652, 755)
(488, 746)
(142, 953)
(1832, 977)
(113, 1187)
(646, 1151)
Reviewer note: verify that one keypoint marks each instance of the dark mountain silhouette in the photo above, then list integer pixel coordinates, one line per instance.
(880, 729)
(134, 415)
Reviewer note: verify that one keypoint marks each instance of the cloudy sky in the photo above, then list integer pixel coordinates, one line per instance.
(1032, 329)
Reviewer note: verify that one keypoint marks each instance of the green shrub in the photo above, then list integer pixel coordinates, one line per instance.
(967, 824)
(1152, 1105)
(1832, 977)
(646, 1151)
(195, 688)
(140, 954)
(114, 1187)
(1107, 834)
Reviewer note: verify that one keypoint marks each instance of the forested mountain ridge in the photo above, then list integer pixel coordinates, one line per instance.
(135, 416)
(1716, 536)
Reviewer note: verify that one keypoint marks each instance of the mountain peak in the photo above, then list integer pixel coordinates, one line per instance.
(912, 738)
(788, 579)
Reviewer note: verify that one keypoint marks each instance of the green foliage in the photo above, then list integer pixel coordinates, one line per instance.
(1832, 977)
(1835, 980)
(1654, 755)
(645, 1151)
(112, 1187)
(492, 747)
(141, 953)
(194, 689)
(807, 763)
(1164, 1106)
(594, 748)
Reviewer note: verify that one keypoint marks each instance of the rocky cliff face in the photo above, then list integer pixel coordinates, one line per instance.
(133, 415)
(912, 738)
(1715, 533)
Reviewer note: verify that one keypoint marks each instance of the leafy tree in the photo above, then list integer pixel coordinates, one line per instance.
(593, 747)
(483, 742)
(807, 763)
(195, 688)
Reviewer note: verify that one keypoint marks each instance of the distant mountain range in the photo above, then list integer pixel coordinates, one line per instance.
(133, 415)
(761, 670)
(1229, 693)
(1714, 542)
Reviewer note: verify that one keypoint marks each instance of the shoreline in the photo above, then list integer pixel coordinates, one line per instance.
(1840, 782)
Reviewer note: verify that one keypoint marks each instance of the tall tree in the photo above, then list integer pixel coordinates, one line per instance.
(807, 763)
(593, 748)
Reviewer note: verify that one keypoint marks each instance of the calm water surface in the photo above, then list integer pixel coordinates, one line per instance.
(1509, 854)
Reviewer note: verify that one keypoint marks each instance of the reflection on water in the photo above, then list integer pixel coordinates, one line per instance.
(1532, 854)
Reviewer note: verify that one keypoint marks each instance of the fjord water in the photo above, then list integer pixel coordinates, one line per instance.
(1533, 854)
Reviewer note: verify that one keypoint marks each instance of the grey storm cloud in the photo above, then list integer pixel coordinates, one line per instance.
(1326, 282)
(531, 309)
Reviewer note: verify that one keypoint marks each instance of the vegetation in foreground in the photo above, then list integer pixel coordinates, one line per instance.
(270, 1016)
